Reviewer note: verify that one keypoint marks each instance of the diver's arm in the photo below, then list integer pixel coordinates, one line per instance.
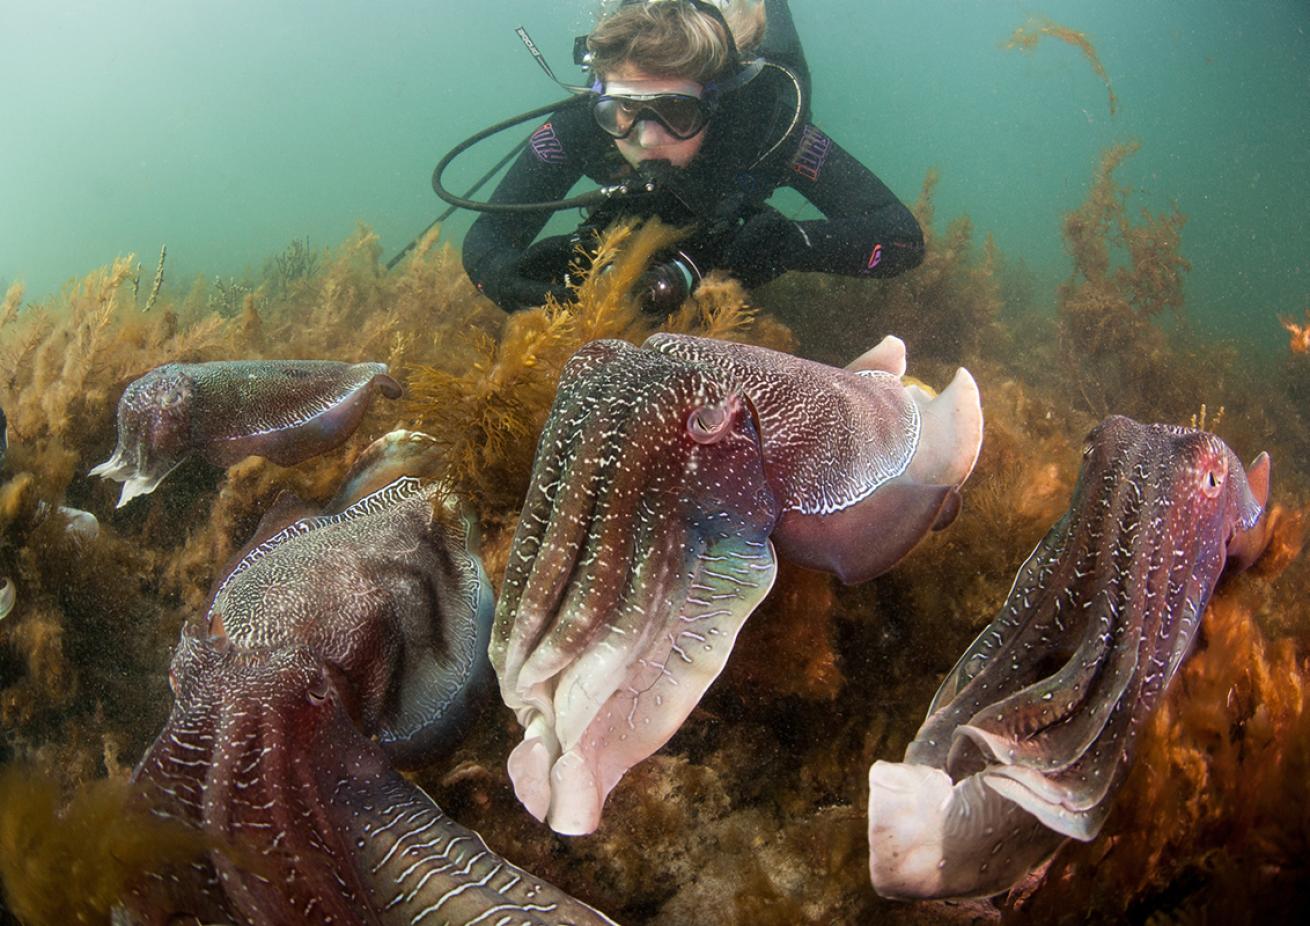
(866, 230)
(496, 242)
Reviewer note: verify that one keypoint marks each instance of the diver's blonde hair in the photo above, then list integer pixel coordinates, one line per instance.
(672, 38)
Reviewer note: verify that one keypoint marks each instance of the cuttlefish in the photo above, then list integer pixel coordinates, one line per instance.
(1033, 731)
(310, 823)
(338, 644)
(283, 410)
(663, 479)
(389, 594)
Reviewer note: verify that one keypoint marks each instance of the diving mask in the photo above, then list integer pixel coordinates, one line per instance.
(682, 114)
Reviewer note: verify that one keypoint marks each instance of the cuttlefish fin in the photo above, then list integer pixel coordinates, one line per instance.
(868, 538)
(1248, 543)
(887, 355)
(440, 692)
(952, 433)
(845, 543)
(287, 508)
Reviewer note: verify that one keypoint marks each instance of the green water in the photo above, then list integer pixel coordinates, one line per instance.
(227, 128)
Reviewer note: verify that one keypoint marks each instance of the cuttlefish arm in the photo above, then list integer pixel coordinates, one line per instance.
(641, 549)
(390, 592)
(1034, 729)
(312, 823)
(284, 410)
(863, 465)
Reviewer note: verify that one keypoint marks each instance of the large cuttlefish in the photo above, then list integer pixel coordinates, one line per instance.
(338, 644)
(664, 478)
(284, 410)
(1033, 731)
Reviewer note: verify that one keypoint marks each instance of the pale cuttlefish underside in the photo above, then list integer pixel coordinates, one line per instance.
(336, 645)
(1034, 729)
(661, 476)
(284, 410)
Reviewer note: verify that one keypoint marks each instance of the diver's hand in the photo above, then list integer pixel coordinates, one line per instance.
(513, 291)
(516, 292)
(759, 251)
(524, 280)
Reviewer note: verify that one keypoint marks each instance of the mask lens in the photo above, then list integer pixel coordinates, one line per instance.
(683, 116)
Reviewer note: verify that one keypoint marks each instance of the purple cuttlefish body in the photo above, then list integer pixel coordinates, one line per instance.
(1033, 731)
(663, 479)
(312, 823)
(284, 410)
(337, 644)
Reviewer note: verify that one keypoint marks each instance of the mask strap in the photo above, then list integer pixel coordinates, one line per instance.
(541, 60)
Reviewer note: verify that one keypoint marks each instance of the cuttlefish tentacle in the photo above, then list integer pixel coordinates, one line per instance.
(625, 697)
(556, 517)
(284, 410)
(1034, 729)
(641, 550)
(862, 465)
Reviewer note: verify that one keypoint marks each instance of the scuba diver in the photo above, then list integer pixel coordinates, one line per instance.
(697, 113)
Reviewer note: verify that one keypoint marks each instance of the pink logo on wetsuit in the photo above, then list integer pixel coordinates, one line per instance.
(546, 145)
(875, 258)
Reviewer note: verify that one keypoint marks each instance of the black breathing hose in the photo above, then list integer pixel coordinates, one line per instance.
(592, 198)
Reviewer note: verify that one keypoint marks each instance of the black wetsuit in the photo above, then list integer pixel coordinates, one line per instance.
(866, 230)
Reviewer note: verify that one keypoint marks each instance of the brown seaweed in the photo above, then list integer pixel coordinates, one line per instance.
(1026, 37)
(754, 812)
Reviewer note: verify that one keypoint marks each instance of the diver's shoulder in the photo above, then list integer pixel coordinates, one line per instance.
(574, 122)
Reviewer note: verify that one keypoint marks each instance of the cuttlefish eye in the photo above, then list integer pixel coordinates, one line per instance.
(319, 691)
(709, 423)
(1213, 476)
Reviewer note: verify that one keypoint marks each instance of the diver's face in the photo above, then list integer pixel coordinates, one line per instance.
(649, 140)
